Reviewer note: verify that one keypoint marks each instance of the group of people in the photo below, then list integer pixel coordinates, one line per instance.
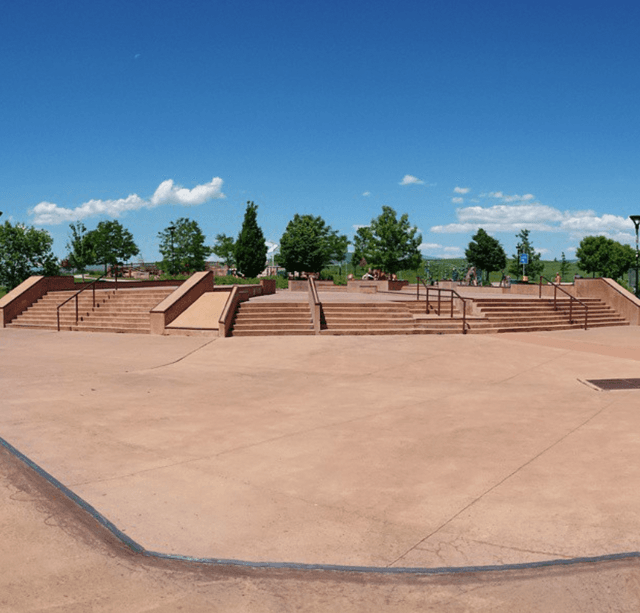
(378, 275)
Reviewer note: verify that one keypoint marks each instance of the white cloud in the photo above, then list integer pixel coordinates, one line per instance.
(271, 246)
(519, 212)
(461, 190)
(48, 213)
(457, 200)
(411, 180)
(366, 194)
(435, 249)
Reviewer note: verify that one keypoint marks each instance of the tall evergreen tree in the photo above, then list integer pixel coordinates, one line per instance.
(251, 247)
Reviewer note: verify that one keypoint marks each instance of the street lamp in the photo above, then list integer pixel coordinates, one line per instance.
(172, 229)
(636, 222)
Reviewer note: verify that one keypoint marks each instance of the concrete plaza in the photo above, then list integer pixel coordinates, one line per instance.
(396, 451)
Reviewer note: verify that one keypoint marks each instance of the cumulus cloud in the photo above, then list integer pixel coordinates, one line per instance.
(461, 190)
(457, 200)
(411, 180)
(271, 246)
(435, 249)
(366, 194)
(516, 212)
(48, 213)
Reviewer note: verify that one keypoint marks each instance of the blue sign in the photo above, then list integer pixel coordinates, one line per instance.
(524, 258)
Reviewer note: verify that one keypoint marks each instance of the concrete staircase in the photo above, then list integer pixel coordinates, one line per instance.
(351, 318)
(272, 319)
(491, 315)
(125, 311)
(536, 315)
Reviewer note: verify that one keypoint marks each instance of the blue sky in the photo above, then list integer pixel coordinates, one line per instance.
(501, 115)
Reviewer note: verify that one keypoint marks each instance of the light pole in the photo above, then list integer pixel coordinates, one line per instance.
(636, 222)
(172, 229)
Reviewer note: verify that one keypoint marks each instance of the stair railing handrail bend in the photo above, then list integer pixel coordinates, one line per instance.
(452, 293)
(87, 286)
(557, 287)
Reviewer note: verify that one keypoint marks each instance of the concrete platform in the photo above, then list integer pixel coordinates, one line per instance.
(379, 451)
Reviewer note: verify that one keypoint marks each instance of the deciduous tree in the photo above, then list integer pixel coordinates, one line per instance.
(112, 243)
(225, 248)
(485, 252)
(24, 251)
(389, 243)
(309, 244)
(605, 257)
(81, 249)
(182, 245)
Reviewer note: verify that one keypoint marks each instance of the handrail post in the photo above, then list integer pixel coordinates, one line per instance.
(464, 316)
(76, 309)
(418, 289)
(570, 311)
(451, 304)
(427, 302)
(439, 294)
(58, 319)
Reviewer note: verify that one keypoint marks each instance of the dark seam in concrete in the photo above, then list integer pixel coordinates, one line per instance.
(511, 474)
(445, 570)
(186, 355)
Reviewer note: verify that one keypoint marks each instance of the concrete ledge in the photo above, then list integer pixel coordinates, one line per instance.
(20, 298)
(180, 300)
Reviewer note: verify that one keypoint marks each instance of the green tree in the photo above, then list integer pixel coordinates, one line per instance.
(389, 243)
(112, 244)
(564, 267)
(535, 267)
(309, 244)
(225, 248)
(81, 249)
(251, 247)
(24, 251)
(486, 253)
(182, 245)
(605, 257)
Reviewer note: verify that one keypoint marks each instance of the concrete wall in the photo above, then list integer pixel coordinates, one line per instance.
(20, 298)
(618, 298)
(180, 300)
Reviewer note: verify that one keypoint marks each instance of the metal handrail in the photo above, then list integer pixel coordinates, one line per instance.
(557, 287)
(453, 293)
(93, 286)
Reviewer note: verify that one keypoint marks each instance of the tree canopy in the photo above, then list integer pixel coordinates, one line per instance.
(388, 243)
(309, 244)
(225, 248)
(535, 267)
(112, 243)
(182, 245)
(81, 248)
(605, 257)
(24, 251)
(251, 247)
(485, 252)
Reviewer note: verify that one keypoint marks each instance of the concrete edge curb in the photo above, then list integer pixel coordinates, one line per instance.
(383, 570)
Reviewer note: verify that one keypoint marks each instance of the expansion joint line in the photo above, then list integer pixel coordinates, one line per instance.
(186, 355)
(496, 485)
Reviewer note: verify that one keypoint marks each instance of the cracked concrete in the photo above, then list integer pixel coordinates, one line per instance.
(388, 451)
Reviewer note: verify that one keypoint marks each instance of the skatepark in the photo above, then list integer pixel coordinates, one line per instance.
(381, 472)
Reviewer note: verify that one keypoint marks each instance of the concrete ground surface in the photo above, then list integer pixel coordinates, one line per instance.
(399, 451)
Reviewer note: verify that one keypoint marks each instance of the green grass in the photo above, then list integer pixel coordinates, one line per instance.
(443, 269)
